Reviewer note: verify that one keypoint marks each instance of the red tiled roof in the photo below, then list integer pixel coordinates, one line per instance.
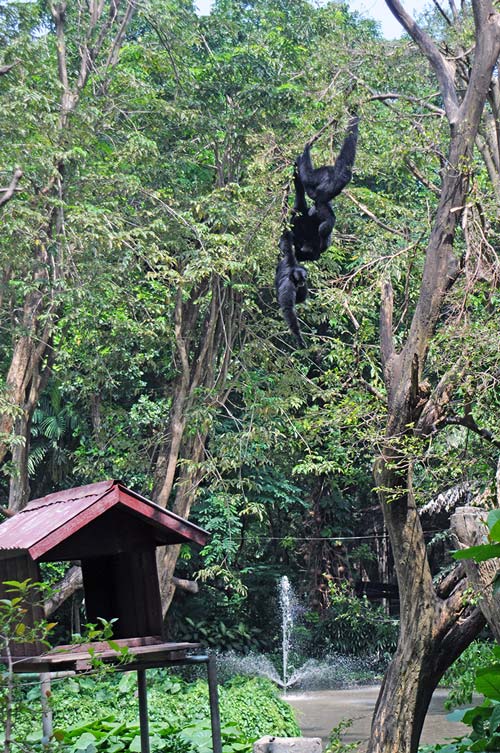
(47, 521)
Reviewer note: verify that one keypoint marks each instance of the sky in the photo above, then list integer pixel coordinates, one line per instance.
(376, 9)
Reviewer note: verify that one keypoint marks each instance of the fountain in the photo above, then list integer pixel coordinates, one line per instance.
(332, 671)
(288, 605)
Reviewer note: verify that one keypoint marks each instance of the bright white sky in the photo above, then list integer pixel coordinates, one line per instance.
(376, 9)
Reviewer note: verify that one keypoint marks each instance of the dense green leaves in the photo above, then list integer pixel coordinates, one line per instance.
(103, 714)
(176, 161)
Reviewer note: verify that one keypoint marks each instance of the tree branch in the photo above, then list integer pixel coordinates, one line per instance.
(421, 177)
(468, 422)
(6, 68)
(444, 70)
(487, 22)
(433, 414)
(8, 193)
(443, 12)
(375, 219)
(72, 581)
(191, 586)
(386, 318)
(120, 34)
(382, 97)
(373, 391)
(449, 583)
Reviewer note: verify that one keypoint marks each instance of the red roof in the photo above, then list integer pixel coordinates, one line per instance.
(46, 522)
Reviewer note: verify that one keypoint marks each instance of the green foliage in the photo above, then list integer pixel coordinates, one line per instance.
(110, 736)
(103, 714)
(14, 628)
(175, 163)
(219, 636)
(107, 735)
(351, 625)
(461, 676)
(484, 719)
(335, 744)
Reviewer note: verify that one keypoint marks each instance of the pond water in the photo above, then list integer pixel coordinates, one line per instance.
(319, 710)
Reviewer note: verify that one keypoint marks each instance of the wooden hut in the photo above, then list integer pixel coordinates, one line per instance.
(114, 533)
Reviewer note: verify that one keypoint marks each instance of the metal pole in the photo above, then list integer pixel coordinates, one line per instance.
(213, 695)
(143, 710)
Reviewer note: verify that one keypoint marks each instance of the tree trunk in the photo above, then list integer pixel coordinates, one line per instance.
(19, 491)
(470, 527)
(435, 626)
(102, 35)
(21, 378)
(203, 367)
(185, 494)
(72, 581)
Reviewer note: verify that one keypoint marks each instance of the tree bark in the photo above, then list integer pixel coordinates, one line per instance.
(469, 525)
(19, 490)
(6, 194)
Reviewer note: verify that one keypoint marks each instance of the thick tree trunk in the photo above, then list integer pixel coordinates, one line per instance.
(403, 700)
(435, 627)
(28, 374)
(22, 378)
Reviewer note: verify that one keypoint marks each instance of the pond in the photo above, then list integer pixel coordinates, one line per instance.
(320, 710)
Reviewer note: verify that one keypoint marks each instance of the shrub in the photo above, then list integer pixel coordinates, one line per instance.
(352, 625)
(484, 719)
(101, 715)
(460, 677)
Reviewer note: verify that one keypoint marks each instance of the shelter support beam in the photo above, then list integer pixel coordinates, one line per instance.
(143, 709)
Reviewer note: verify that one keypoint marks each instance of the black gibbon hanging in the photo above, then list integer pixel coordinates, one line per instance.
(311, 226)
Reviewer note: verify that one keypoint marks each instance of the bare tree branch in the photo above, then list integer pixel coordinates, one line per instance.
(468, 422)
(404, 97)
(444, 70)
(191, 586)
(72, 581)
(386, 317)
(453, 8)
(375, 219)
(487, 21)
(443, 12)
(421, 177)
(8, 192)
(6, 68)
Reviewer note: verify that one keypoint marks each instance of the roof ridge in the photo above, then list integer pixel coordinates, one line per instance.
(67, 495)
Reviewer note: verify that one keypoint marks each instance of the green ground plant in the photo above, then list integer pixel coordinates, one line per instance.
(335, 742)
(484, 718)
(20, 598)
(101, 715)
